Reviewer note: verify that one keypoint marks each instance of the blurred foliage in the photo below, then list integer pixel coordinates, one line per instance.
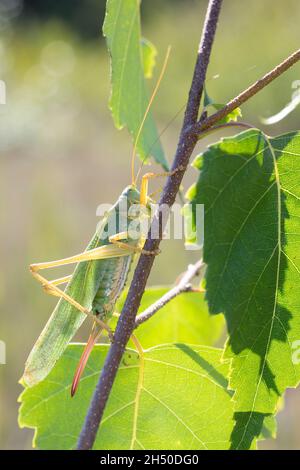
(61, 155)
(84, 17)
(80, 15)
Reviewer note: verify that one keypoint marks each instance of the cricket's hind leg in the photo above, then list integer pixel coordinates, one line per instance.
(61, 280)
(138, 347)
(95, 333)
(51, 286)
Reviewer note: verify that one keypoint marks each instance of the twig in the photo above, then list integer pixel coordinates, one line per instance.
(225, 126)
(252, 90)
(183, 286)
(126, 323)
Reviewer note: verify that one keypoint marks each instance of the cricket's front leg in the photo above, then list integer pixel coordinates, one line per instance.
(148, 176)
(116, 240)
(95, 333)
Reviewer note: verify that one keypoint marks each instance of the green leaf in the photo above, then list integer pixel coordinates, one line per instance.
(193, 233)
(174, 398)
(231, 116)
(149, 54)
(250, 187)
(269, 428)
(185, 319)
(129, 97)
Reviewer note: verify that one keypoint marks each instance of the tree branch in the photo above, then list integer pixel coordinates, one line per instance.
(126, 323)
(183, 286)
(252, 90)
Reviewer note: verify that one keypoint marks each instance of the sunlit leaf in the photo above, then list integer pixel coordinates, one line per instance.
(173, 398)
(231, 116)
(149, 54)
(185, 319)
(250, 187)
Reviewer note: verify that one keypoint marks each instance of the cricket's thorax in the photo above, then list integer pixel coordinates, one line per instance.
(114, 271)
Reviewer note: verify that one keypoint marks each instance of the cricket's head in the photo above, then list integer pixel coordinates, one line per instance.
(132, 196)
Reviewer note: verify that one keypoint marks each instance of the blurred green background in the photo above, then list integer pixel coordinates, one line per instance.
(61, 155)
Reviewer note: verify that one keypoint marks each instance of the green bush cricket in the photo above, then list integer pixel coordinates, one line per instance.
(97, 281)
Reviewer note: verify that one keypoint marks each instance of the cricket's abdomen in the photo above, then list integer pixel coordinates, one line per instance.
(112, 283)
(110, 275)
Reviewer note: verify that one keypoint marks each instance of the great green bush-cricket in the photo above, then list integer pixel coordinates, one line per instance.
(97, 281)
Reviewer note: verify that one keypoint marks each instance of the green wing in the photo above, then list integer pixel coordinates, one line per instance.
(64, 321)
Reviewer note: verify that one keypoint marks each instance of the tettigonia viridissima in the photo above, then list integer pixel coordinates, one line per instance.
(97, 281)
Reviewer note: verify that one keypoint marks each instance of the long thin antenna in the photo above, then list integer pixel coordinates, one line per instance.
(147, 111)
(214, 77)
(157, 139)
